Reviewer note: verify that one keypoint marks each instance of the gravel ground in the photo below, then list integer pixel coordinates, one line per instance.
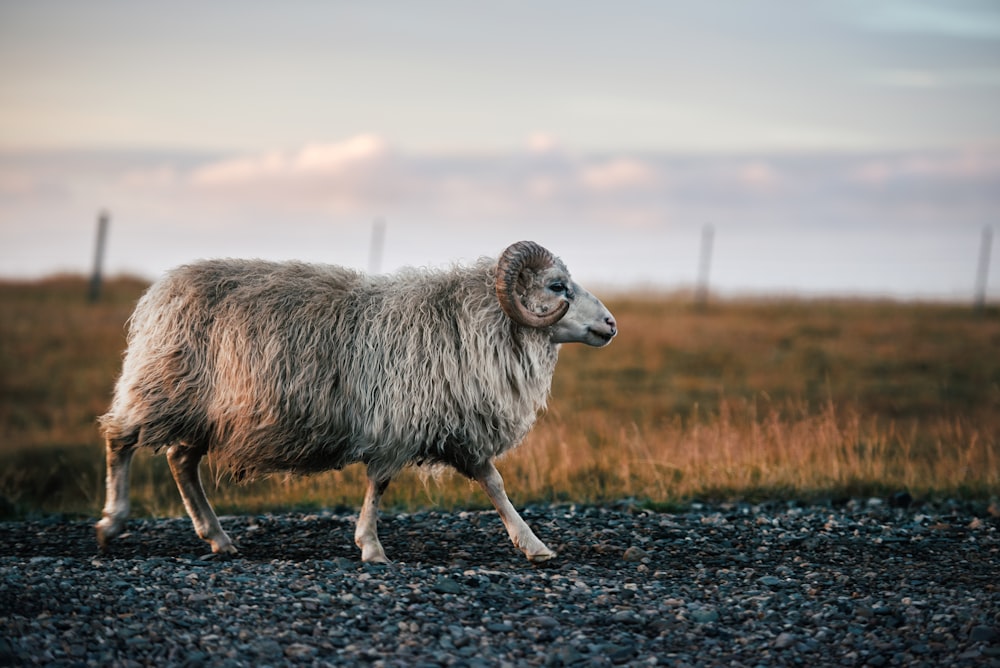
(856, 583)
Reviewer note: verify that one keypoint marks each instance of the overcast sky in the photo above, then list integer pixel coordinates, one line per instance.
(835, 147)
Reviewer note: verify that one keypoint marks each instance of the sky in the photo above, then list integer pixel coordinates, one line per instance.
(834, 147)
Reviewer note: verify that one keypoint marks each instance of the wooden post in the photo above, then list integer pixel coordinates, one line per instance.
(982, 271)
(375, 251)
(95, 277)
(704, 265)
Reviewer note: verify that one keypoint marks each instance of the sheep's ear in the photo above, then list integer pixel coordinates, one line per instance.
(517, 258)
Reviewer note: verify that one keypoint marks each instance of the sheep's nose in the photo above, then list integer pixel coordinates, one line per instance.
(610, 322)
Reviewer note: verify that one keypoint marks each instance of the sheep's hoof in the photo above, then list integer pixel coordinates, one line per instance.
(375, 558)
(541, 557)
(103, 542)
(107, 530)
(224, 548)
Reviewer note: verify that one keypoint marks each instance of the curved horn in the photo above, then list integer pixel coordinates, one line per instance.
(518, 257)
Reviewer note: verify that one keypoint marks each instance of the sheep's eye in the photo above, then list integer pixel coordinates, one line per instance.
(558, 287)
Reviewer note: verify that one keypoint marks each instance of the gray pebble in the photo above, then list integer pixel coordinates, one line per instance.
(545, 622)
(634, 553)
(735, 584)
(446, 585)
(784, 640)
(704, 615)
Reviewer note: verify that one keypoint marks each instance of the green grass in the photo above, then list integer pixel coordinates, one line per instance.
(750, 398)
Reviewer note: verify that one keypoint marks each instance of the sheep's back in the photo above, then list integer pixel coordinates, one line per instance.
(201, 328)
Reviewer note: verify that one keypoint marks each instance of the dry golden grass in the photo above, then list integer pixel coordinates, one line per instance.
(748, 398)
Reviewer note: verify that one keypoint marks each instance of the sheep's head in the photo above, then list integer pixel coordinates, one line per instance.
(535, 290)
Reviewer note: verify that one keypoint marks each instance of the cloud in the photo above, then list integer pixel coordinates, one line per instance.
(543, 142)
(967, 167)
(759, 176)
(618, 174)
(638, 217)
(144, 178)
(335, 157)
(17, 184)
(365, 175)
(239, 171)
(353, 175)
(312, 160)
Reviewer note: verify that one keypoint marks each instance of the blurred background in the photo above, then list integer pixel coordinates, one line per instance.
(824, 148)
(778, 156)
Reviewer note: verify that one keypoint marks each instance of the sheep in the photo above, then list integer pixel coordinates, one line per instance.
(293, 367)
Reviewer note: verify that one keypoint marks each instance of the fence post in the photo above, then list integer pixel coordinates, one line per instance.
(982, 271)
(95, 277)
(704, 265)
(375, 251)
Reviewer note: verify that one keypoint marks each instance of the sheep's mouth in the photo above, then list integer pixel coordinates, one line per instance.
(603, 336)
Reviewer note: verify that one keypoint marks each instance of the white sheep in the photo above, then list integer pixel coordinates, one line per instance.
(294, 367)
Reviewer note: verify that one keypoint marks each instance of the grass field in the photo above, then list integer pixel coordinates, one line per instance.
(745, 399)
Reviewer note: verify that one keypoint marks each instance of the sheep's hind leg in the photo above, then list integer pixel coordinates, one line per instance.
(366, 532)
(116, 503)
(520, 533)
(184, 462)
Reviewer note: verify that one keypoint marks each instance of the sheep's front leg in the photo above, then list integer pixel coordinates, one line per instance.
(116, 503)
(366, 532)
(183, 462)
(520, 533)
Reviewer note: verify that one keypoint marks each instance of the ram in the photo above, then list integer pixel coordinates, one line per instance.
(293, 367)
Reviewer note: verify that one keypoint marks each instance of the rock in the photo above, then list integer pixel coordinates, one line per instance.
(983, 633)
(635, 554)
(499, 627)
(446, 585)
(626, 617)
(864, 611)
(300, 651)
(704, 615)
(735, 584)
(564, 656)
(267, 648)
(545, 622)
(771, 581)
(617, 654)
